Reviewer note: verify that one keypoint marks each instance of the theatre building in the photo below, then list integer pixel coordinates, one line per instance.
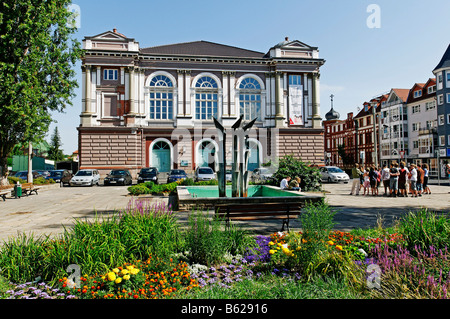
(154, 106)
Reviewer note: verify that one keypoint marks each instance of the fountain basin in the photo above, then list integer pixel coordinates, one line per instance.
(208, 196)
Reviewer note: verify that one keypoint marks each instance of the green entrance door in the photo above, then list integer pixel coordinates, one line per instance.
(207, 155)
(253, 160)
(161, 157)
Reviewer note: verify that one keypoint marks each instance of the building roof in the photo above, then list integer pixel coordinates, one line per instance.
(445, 61)
(202, 48)
(402, 94)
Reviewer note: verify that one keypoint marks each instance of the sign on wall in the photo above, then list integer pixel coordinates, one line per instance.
(296, 105)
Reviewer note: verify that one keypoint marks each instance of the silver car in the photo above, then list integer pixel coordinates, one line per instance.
(261, 174)
(204, 174)
(333, 174)
(85, 177)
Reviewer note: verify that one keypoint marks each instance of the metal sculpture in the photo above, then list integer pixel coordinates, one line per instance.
(241, 155)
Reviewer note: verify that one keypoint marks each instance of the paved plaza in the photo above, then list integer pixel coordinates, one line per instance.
(55, 208)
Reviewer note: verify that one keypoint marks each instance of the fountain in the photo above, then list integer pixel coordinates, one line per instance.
(240, 192)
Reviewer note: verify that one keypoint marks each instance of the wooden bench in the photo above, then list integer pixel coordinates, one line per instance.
(263, 211)
(5, 190)
(28, 188)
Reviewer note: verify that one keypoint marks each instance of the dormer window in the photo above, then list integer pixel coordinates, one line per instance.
(432, 89)
(110, 74)
(417, 93)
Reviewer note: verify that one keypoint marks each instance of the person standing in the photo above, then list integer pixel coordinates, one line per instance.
(426, 188)
(448, 173)
(413, 179)
(366, 183)
(385, 177)
(402, 180)
(393, 182)
(373, 175)
(420, 175)
(356, 185)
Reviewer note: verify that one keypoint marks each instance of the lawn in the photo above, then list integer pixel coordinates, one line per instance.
(142, 253)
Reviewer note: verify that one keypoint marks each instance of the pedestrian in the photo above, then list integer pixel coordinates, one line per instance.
(356, 185)
(366, 183)
(385, 176)
(402, 180)
(361, 178)
(420, 175)
(413, 179)
(285, 183)
(448, 173)
(295, 184)
(393, 182)
(426, 172)
(373, 176)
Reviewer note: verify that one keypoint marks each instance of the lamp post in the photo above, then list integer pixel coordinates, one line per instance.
(375, 137)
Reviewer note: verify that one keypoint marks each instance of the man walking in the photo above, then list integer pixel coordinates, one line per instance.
(356, 185)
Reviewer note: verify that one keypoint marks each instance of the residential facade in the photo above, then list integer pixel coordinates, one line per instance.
(422, 125)
(442, 73)
(154, 107)
(394, 127)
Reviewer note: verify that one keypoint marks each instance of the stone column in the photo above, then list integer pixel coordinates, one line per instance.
(316, 119)
(132, 92)
(88, 108)
(279, 116)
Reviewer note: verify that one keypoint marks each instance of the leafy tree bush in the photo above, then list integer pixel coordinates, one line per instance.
(292, 167)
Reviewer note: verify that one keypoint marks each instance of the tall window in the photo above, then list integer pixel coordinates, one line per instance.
(250, 99)
(206, 98)
(161, 98)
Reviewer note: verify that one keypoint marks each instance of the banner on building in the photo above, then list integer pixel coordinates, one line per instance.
(296, 105)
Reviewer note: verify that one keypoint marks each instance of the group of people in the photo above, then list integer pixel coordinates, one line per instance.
(398, 180)
(293, 185)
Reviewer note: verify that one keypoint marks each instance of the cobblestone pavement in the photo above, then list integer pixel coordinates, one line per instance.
(56, 208)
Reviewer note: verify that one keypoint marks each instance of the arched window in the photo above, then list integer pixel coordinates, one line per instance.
(161, 98)
(206, 98)
(250, 99)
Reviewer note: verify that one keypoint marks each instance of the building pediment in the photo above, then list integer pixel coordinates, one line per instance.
(293, 49)
(110, 40)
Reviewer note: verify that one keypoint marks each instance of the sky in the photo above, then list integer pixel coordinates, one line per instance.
(370, 46)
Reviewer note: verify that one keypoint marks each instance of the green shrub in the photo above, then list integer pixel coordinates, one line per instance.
(292, 167)
(139, 189)
(425, 228)
(13, 180)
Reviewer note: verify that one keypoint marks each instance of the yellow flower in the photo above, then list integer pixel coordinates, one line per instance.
(118, 280)
(272, 252)
(116, 270)
(271, 243)
(330, 242)
(134, 271)
(130, 267)
(111, 276)
(126, 277)
(338, 247)
(124, 272)
(298, 248)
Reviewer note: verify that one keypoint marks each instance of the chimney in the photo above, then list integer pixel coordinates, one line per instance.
(287, 39)
(115, 30)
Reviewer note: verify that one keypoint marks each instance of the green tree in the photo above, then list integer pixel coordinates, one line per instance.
(293, 167)
(55, 153)
(37, 58)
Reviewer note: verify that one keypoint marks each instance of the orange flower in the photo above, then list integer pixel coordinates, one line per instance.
(339, 247)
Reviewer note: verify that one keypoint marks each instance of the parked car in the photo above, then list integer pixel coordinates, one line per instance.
(85, 177)
(24, 175)
(333, 174)
(44, 173)
(118, 176)
(62, 176)
(229, 175)
(176, 175)
(261, 174)
(148, 174)
(204, 174)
